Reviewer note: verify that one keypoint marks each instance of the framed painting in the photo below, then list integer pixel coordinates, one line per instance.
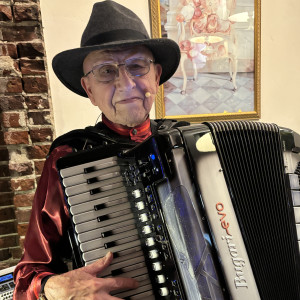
(218, 77)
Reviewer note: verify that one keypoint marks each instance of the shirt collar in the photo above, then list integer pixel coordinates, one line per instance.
(138, 133)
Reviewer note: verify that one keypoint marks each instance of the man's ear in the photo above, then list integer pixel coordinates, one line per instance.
(85, 85)
(158, 69)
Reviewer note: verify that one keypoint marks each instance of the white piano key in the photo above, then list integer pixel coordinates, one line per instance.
(98, 253)
(122, 265)
(144, 282)
(297, 214)
(86, 197)
(298, 231)
(111, 212)
(134, 273)
(124, 255)
(97, 165)
(107, 201)
(85, 187)
(129, 293)
(143, 296)
(94, 224)
(94, 234)
(100, 242)
(99, 174)
(296, 198)
(294, 181)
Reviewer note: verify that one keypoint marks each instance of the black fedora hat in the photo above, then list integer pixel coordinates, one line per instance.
(113, 25)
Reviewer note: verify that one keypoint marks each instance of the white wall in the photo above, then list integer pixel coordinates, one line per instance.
(64, 22)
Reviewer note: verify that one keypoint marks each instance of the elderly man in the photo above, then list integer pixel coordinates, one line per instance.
(120, 69)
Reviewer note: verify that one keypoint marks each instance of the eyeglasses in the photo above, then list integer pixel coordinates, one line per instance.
(134, 66)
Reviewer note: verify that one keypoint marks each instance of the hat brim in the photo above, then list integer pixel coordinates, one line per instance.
(67, 65)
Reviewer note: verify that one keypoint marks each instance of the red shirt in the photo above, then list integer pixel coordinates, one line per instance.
(49, 221)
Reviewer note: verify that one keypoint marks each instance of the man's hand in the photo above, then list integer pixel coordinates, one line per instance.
(83, 283)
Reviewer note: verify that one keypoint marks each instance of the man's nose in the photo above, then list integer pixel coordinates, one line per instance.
(124, 78)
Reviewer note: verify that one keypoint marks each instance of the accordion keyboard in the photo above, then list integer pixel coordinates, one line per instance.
(112, 211)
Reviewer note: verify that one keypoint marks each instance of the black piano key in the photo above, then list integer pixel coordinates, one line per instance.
(107, 233)
(102, 218)
(95, 191)
(110, 245)
(89, 170)
(100, 206)
(91, 180)
(117, 272)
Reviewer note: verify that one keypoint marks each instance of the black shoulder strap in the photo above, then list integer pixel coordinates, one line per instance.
(98, 135)
(90, 136)
(165, 124)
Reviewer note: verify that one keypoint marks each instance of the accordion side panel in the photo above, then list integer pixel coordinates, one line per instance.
(251, 156)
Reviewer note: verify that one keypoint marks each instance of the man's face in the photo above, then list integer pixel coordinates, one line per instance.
(123, 99)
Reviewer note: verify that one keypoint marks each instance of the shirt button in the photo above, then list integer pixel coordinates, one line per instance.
(134, 131)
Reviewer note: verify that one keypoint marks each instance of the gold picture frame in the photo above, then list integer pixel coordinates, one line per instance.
(180, 16)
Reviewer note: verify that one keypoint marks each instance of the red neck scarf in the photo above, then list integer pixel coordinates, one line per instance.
(137, 134)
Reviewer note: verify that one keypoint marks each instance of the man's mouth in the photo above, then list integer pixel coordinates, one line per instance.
(129, 100)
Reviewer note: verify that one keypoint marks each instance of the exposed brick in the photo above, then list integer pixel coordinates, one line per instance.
(11, 103)
(38, 166)
(9, 241)
(20, 169)
(18, 185)
(21, 241)
(39, 118)
(38, 151)
(8, 67)
(32, 67)
(5, 254)
(5, 185)
(10, 85)
(13, 120)
(37, 102)
(30, 50)
(7, 213)
(4, 155)
(22, 200)
(21, 33)
(8, 50)
(41, 135)
(5, 13)
(14, 138)
(26, 12)
(6, 199)
(23, 215)
(8, 227)
(22, 228)
(35, 84)
(16, 252)
(4, 171)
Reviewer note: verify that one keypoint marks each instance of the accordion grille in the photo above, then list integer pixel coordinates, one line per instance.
(252, 162)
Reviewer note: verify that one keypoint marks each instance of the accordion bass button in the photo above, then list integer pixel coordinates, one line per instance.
(157, 266)
(140, 205)
(153, 254)
(147, 229)
(160, 279)
(143, 217)
(150, 241)
(164, 291)
(136, 193)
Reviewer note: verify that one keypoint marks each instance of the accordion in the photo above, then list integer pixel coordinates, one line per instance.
(206, 211)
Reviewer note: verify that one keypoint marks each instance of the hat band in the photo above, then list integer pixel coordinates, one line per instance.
(114, 36)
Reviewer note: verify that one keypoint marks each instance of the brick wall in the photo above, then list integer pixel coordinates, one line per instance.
(26, 120)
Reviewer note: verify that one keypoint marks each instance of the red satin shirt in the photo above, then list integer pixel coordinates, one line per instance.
(48, 223)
